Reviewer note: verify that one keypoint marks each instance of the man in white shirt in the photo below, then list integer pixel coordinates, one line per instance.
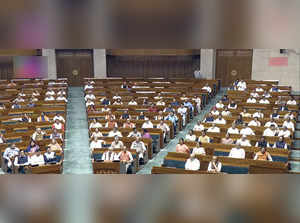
(264, 101)
(105, 109)
(226, 112)
(214, 165)
(251, 100)
(134, 133)
(289, 124)
(237, 152)
(192, 163)
(38, 135)
(243, 141)
(10, 152)
(198, 150)
(50, 92)
(207, 88)
(160, 103)
(89, 103)
(246, 130)
(36, 159)
(232, 105)
(271, 131)
(147, 125)
(220, 105)
(115, 132)
(271, 122)
(245, 114)
(96, 143)
(90, 96)
(198, 127)
(164, 127)
(284, 132)
(96, 133)
(220, 120)
(140, 148)
(292, 101)
(158, 97)
(94, 124)
(49, 98)
(88, 86)
(110, 155)
(233, 130)
(254, 122)
(254, 94)
(49, 156)
(58, 125)
(62, 98)
(259, 89)
(214, 128)
(117, 144)
(258, 114)
(132, 102)
(289, 115)
(266, 94)
(190, 136)
(59, 117)
(183, 111)
(242, 85)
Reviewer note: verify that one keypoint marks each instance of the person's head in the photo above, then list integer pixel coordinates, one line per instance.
(138, 138)
(203, 133)
(272, 119)
(38, 153)
(220, 117)
(220, 102)
(198, 145)
(213, 125)
(181, 141)
(142, 113)
(13, 145)
(42, 114)
(49, 150)
(57, 121)
(134, 130)
(244, 137)
(39, 130)
(256, 119)
(199, 122)
(262, 139)
(128, 121)
(288, 119)
(110, 149)
(22, 153)
(263, 150)
(227, 136)
(115, 129)
(126, 112)
(124, 148)
(161, 122)
(280, 139)
(233, 125)
(284, 128)
(32, 143)
(238, 145)
(116, 138)
(272, 127)
(145, 131)
(53, 141)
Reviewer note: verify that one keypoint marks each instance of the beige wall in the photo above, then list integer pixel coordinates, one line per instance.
(288, 75)
(50, 53)
(208, 63)
(100, 63)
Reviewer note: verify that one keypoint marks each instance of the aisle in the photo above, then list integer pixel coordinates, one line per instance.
(77, 155)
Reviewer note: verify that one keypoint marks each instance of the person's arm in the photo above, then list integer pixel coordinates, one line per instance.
(255, 157)
(186, 166)
(270, 157)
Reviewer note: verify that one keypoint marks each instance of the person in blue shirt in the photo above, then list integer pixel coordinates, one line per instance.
(283, 108)
(21, 162)
(280, 144)
(190, 106)
(175, 103)
(209, 118)
(173, 118)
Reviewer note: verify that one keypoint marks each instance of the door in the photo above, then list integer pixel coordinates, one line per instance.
(233, 64)
(75, 65)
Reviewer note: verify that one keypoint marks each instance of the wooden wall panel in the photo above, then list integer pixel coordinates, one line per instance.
(233, 60)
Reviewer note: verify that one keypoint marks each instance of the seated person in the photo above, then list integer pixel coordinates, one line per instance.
(105, 109)
(283, 107)
(62, 98)
(259, 89)
(226, 112)
(56, 135)
(239, 120)
(214, 165)
(289, 115)
(115, 132)
(214, 128)
(164, 127)
(271, 122)
(258, 114)
(254, 122)
(146, 134)
(175, 103)
(111, 124)
(140, 148)
(58, 125)
(289, 124)
(209, 118)
(237, 152)
(20, 162)
(9, 154)
(118, 102)
(117, 144)
(49, 98)
(220, 120)
(110, 115)
(96, 143)
(61, 92)
(43, 118)
(284, 132)
(181, 147)
(243, 141)
(225, 98)
(158, 97)
(203, 138)
(266, 94)
(96, 133)
(280, 144)
(291, 101)
(36, 159)
(198, 126)
(169, 109)
(33, 147)
(264, 101)
(19, 99)
(190, 136)
(220, 105)
(197, 100)
(128, 124)
(183, 112)
(35, 93)
(125, 156)
(173, 118)
(232, 105)
(50, 92)
(160, 103)
(241, 85)
(245, 113)
(132, 102)
(227, 140)
(16, 105)
(89, 85)
(152, 108)
(233, 129)
(262, 142)
(246, 130)
(192, 163)
(160, 116)
(54, 146)
(59, 118)
(198, 150)
(142, 116)
(183, 97)
(148, 124)
(125, 115)
(251, 100)
(275, 115)
(2, 106)
(11, 84)
(2, 138)
(254, 94)
(207, 88)
(274, 88)
(90, 96)
(89, 103)
(215, 112)
(271, 131)
(105, 101)
(116, 97)
(134, 133)
(38, 135)
(110, 155)
(50, 156)
(263, 155)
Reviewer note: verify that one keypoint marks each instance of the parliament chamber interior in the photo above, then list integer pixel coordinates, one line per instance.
(131, 111)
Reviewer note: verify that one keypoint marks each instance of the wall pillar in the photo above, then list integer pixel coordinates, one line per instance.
(208, 63)
(100, 63)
